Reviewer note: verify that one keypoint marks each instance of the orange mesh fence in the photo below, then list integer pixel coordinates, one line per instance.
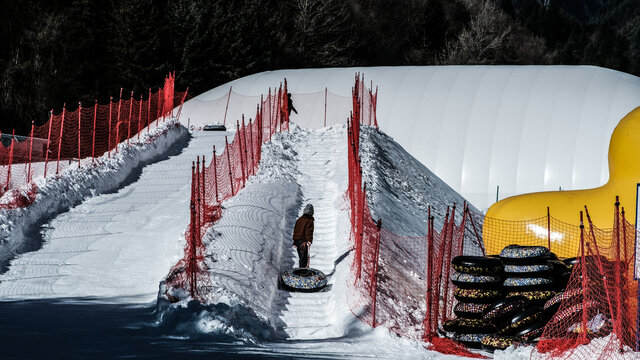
(220, 179)
(598, 320)
(78, 136)
(401, 282)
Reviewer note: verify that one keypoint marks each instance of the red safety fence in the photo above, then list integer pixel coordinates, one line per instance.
(79, 135)
(222, 178)
(228, 172)
(601, 315)
(401, 282)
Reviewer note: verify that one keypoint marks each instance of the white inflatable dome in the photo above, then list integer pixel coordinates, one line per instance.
(519, 128)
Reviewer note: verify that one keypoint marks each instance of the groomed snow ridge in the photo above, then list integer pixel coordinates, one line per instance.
(313, 315)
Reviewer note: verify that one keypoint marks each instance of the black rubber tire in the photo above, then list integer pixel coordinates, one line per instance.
(303, 280)
(520, 321)
(477, 265)
(504, 308)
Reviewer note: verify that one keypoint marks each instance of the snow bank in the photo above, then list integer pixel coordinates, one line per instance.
(56, 194)
(244, 250)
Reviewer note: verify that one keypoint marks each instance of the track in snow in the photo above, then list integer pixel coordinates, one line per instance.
(314, 315)
(117, 246)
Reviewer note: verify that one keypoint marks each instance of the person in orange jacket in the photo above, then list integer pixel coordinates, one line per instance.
(303, 235)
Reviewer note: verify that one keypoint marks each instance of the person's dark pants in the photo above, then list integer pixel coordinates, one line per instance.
(303, 252)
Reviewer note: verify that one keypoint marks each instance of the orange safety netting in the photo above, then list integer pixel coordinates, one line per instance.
(228, 172)
(401, 282)
(222, 178)
(78, 136)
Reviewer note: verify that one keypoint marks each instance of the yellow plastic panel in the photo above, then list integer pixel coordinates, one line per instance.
(624, 174)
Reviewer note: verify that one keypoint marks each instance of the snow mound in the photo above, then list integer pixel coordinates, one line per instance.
(400, 188)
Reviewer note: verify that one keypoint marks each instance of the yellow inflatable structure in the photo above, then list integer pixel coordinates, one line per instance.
(523, 218)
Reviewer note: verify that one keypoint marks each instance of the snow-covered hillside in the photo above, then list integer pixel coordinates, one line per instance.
(105, 233)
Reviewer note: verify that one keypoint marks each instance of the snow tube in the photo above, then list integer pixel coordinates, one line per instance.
(537, 270)
(498, 342)
(470, 340)
(303, 279)
(526, 255)
(521, 321)
(571, 313)
(468, 326)
(502, 309)
(531, 332)
(552, 305)
(470, 310)
(468, 281)
(591, 260)
(513, 284)
(214, 127)
(477, 265)
(477, 296)
(534, 297)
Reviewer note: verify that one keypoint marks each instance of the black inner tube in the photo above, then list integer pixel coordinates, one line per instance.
(303, 272)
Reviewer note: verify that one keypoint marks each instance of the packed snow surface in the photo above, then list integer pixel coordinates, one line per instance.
(123, 235)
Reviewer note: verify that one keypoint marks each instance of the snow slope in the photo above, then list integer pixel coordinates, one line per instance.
(108, 233)
(251, 244)
(321, 163)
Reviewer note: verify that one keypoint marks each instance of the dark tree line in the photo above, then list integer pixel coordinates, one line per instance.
(61, 51)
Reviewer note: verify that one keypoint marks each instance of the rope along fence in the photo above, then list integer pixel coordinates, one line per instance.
(405, 284)
(79, 135)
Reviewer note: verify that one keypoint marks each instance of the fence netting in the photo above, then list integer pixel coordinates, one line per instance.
(78, 137)
(314, 110)
(217, 180)
(227, 173)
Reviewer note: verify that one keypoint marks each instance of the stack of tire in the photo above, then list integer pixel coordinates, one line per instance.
(533, 277)
(478, 281)
(599, 323)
